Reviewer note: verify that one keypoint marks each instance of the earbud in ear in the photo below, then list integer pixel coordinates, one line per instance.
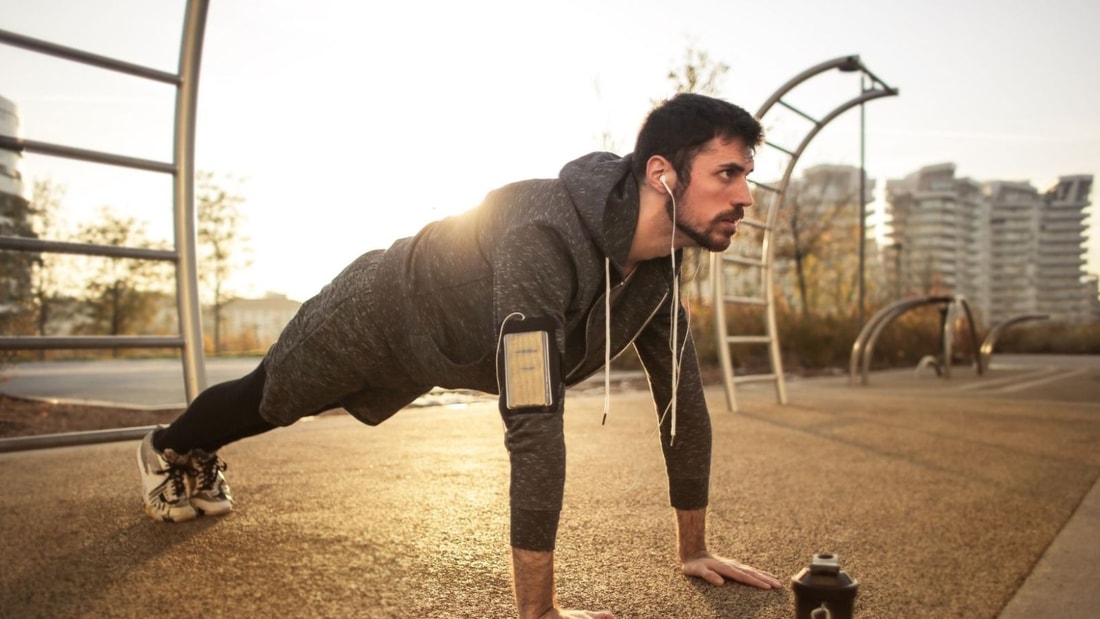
(664, 183)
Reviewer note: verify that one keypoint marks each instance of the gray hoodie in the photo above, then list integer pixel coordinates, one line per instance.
(428, 312)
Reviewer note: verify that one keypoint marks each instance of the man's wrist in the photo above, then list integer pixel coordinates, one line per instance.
(691, 533)
(533, 579)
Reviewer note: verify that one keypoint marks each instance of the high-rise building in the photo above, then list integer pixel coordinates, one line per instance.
(1062, 285)
(1014, 225)
(1006, 247)
(940, 235)
(11, 181)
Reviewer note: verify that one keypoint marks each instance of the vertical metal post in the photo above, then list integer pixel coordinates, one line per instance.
(183, 195)
(862, 195)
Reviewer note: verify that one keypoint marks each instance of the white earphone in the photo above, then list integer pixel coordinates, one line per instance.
(664, 184)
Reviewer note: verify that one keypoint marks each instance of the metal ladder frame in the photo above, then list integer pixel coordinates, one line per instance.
(182, 169)
(719, 261)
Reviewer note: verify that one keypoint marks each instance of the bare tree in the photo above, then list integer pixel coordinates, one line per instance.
(16, 267)
(221, 243)
(813, 235)
(46, 198)
(698, 73)
(121, 293)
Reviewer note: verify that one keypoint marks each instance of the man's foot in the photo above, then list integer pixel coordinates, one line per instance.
(209, 493)
(164, 480)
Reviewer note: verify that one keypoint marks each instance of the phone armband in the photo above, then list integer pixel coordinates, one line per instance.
(528, 366)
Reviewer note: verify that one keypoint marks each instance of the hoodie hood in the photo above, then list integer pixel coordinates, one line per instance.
(605, 195)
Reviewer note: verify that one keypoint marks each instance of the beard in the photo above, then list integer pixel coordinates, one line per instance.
(708, 237)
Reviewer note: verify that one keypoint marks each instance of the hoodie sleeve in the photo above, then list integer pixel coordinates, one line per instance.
(534, 278)
(687, 455)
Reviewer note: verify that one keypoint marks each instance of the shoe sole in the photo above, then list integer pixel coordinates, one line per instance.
(212, 511)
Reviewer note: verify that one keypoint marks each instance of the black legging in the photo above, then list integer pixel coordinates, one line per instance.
(221, 414)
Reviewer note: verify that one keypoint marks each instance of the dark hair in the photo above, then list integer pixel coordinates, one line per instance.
(678, 128)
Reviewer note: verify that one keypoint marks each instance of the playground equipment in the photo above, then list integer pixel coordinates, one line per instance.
(182, 170)
(721, 263)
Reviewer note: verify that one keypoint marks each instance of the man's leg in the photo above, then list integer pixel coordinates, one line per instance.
(182, 475)
(220, 415)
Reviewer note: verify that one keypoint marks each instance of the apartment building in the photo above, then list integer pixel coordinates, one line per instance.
(1006, 247)
(1061, 249)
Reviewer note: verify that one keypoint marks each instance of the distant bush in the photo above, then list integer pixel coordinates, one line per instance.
(819, 343)
(1051, 337)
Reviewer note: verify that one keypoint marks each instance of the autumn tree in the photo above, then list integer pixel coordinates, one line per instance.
(46, 198)
(815, 238)
(121, 295)
(221, 245)
(16, 266)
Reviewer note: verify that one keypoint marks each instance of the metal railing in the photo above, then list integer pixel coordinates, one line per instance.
(182, 168)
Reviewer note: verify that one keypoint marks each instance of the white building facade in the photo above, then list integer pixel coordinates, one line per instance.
(11, 179)
(1006, 247)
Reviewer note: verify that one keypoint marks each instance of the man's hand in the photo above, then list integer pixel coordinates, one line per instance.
(717, 570)
(691, 530)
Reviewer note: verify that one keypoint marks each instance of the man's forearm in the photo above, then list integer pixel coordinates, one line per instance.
(691, 532)
(533, 579)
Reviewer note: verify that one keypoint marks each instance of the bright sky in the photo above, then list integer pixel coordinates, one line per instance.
(354, 123)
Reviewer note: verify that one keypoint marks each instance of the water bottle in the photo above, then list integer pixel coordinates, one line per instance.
(823, 590)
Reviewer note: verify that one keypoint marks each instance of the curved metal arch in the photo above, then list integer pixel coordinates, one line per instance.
(949, 335)
(994, 334)
(879, 89)
(843, 63)
(864, 346)
(870, 332)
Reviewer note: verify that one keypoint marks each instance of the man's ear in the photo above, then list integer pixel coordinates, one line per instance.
(659, 174)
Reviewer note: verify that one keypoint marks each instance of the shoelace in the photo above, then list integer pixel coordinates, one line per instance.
(177, 477)
(206, 471)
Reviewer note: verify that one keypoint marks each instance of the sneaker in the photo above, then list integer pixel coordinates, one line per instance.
(209, 492)
(164, 479)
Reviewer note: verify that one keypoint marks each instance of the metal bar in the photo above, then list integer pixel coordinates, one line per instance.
(69, 439)
(843, 63)
(724, 358)
(749, 339)
(76, 55)
(875, 78)
(745, 300)
(743, 261)
(8, 142)
(990, 340)
(862, 202)
(20, 243)
(756, 378)
(778, 147)
(764, 186)
(86, 342)
(799, 112)
(183, 198)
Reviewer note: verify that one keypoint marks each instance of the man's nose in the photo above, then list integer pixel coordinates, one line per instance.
(743, 197)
